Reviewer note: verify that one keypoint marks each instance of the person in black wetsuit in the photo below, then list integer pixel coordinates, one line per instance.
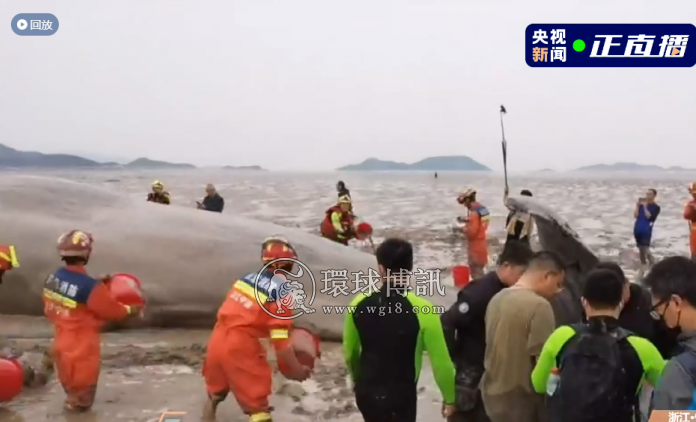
(342, 189)
(519, 226)
(465, 329)
(638, 317)
(385, 338)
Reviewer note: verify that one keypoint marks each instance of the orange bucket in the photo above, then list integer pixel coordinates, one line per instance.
(307, 347)
(461, 275)
(126, 289)
(11, 379)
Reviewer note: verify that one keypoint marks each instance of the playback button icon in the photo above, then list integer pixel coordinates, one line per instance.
(22, 24)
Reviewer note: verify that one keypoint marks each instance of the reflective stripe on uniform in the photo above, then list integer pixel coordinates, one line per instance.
(279, 333)
(260, 417)
(57, 297)
(11, 258)
(249, 291)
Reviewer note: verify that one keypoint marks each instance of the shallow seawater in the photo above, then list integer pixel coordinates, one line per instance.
(422, 209)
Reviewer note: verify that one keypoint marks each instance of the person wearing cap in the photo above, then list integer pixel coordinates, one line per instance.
(519, 226)
(690, 216)
(158, 194)
(212, 201)
(475, 230)
(338, 222)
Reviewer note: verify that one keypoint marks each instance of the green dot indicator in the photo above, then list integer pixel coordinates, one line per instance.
(578, 45)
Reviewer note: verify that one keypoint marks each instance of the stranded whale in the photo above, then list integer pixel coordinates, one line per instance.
(186, 259)
(555, 234)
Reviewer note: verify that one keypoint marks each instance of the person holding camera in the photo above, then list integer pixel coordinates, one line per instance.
(645, 213)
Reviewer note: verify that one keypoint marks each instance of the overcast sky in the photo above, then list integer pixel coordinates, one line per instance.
(316, 84)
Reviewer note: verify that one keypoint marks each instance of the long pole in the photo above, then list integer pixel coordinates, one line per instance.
(502, 127)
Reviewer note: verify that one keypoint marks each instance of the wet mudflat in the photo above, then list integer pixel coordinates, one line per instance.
(148, 372)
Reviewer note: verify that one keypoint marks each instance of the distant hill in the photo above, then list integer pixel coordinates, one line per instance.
(146, 163)
(256, 168)
(443, 163)
(10, 157)
(630, 167)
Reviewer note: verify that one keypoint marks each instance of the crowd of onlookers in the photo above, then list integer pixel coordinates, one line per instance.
(632, 351)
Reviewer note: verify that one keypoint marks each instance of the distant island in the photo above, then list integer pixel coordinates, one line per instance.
(442, 163)
(634, 167)
(146, 163)
(255, 168)
(12, 158)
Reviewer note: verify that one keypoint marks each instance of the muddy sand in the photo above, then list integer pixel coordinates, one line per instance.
(145, 373)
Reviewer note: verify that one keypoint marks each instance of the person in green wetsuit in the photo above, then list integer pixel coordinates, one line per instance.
(384, 340)
(594, 371)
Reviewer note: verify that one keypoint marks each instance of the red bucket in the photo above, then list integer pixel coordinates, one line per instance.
(306, 346)
(126, 289)
(363, 231)
(461, 275)
(11, 379)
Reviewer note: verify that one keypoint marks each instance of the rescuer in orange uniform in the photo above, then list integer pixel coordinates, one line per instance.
(690, 216)
(8, 260)
(78, 305)
(236, 359)
(475, 231)
(158, 194)
(338, 222)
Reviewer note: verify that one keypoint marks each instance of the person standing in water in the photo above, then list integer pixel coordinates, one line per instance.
(645, 213)
(342, 190)
(690, 216)
(338, 223)
(519, 225)
(158, 194)
(213, 201)
(475, 231)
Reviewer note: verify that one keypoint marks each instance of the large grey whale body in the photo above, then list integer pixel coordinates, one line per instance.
(185, 258)
(555, 234)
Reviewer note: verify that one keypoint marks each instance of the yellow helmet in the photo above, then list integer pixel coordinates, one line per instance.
(157, 185)
(692, 188)
(344, 199)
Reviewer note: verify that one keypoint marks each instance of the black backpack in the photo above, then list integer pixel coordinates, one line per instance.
(593, 382)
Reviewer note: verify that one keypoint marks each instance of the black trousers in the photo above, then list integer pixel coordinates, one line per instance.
(384, 404)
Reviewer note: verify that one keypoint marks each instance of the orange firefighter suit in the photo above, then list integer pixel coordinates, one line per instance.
(8, 259)
(78, 305)
(338, 225)
(690, 216)
(475, 230)
(236, 359)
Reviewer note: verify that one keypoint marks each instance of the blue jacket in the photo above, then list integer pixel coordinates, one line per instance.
(642, 229)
